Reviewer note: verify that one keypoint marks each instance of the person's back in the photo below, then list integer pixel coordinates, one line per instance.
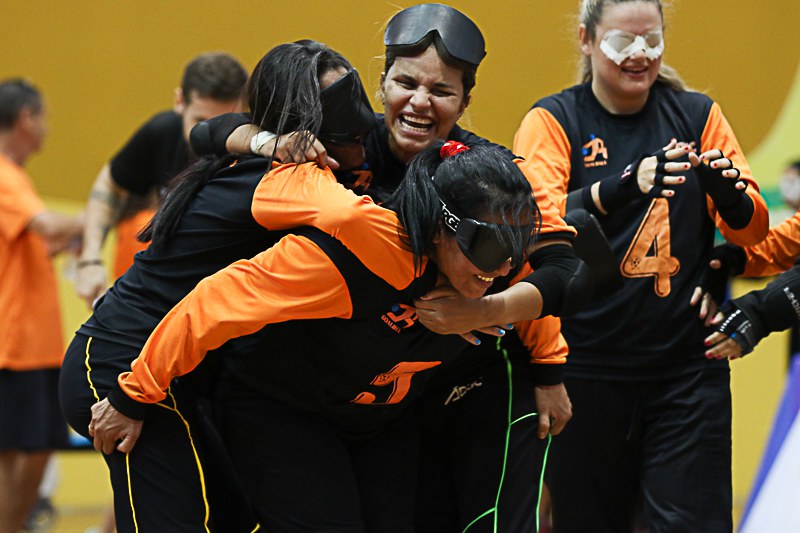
(215, 230)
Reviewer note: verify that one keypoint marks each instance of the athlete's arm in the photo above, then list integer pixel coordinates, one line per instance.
(778, 252)
(238, 300)
(233, 133)
(746, 222)
(744, 321)
(58, 230)
(102, 211)
(548, 351)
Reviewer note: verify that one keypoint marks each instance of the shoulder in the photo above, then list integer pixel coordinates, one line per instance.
(693, 103)
(165, 121)
(563, 103)
(473, 139)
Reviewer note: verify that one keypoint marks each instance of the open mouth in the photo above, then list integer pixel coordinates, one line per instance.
(635, 71)
(416, 124)
(484, 279)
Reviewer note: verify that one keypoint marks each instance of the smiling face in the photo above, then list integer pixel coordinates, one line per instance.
(623, 88)
(459, 271)
(423, 98)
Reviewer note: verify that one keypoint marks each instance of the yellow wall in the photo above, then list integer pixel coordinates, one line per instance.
(106, 66)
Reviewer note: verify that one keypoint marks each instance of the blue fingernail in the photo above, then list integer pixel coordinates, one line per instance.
(477, 342)
(501, 332)
(509, 326)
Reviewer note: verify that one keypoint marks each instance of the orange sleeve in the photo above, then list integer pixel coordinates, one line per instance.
(238, 300)
(552, 223)
(778, 252)
(19, 202)
(306, 195)
(719, 134)
(543, 143)
(542, 337)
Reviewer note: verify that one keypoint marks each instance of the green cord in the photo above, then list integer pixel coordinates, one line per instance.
(493, 510)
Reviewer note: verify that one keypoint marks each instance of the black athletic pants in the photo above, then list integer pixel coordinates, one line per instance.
(664, 443)
(481, 460)
(178, 477)
(303, 475)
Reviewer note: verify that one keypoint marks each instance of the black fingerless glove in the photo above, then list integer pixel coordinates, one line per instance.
(620, 189)
(734, 205)
(732, 260)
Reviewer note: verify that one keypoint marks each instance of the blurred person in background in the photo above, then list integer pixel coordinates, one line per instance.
(128, 188)
(31, 423)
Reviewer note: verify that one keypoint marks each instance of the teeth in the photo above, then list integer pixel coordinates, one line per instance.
(484, 278)
(417, 123)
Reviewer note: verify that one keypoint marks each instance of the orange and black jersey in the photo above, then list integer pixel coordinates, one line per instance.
(216, 230)
(646, 329)
(312, 327)
(294, 195)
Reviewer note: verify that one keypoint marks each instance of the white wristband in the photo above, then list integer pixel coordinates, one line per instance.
(259, 140)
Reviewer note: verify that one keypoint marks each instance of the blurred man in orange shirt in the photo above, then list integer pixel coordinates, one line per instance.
(31, 342)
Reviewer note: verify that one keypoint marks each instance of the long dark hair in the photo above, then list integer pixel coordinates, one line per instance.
(482, 183)
(283, 94)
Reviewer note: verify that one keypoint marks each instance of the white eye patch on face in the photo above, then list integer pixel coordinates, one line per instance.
(619, 45)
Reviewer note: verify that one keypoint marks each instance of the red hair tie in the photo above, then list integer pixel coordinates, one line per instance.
(451, 148)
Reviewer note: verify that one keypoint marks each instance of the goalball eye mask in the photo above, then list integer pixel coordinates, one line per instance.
(460, 36)
(481, 242)
(346, 113)
(619, 45)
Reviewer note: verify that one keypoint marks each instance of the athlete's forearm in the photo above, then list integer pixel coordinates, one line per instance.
(102, 211)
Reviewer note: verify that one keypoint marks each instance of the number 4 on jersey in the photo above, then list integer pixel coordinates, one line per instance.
(648, 254)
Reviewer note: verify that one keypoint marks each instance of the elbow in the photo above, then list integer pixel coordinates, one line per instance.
(563, 279)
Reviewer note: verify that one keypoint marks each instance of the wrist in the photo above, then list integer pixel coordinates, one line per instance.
(259, 140)
(81, 263)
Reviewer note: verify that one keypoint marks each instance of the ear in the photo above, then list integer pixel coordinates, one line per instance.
(382, 90)
(585, 41)
(24, 118)
(437, 237)
(464, 103)
(178, 104)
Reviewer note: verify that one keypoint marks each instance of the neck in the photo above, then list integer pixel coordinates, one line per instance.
(399, 154)
(618, 105)
(13, 150)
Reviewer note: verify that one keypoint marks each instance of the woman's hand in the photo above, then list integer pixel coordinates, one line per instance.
(721, 346)
(718, 176)
(443, 310)
(725, 261)
(109, 426)
(288, 148)
(656, 175)
(554, 407)
(651, 176)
